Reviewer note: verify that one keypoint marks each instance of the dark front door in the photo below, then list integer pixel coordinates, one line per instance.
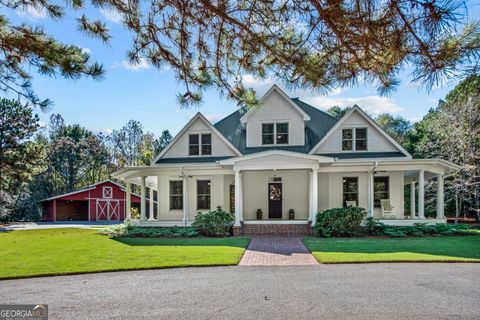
(275, 201)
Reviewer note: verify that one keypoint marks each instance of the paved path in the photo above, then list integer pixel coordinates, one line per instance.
(277, 251)
(356, 291)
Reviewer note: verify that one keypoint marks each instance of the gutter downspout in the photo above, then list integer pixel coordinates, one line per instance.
(370, 189)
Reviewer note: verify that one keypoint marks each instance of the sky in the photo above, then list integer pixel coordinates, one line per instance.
(148, 95)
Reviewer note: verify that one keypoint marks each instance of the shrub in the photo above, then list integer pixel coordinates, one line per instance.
(339, 222)
(149, 232)
(214, 223)
(375, 228)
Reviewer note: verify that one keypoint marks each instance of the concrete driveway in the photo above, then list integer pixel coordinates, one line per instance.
(55, 225)
(362, 291)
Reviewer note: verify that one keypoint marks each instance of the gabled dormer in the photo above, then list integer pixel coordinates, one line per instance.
(356, 133)
(278, 122)
(198, 141)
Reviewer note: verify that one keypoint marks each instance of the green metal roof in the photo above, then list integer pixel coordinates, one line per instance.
(364, 155)
(190, 160)
(315, 129)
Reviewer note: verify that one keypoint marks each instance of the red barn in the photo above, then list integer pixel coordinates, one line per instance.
(102, 201)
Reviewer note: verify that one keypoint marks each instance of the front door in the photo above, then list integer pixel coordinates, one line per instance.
(275, 201)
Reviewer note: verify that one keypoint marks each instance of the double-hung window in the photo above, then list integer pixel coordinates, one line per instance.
(275, 133)
(350, 190)
(381, 190)
(206, 144)
(361, 139)
(199, 144)
(282, 133)
(267, 133)
(354, 139)
(176, 195)
(203, 195)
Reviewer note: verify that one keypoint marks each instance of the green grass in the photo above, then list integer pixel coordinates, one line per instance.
(429, 249)
(70, 251)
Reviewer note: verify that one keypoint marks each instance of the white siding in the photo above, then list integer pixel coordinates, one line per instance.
(275, 109)
(335, 188)
(295, 184)
(376, 141)
(180, 148)
(216, 191)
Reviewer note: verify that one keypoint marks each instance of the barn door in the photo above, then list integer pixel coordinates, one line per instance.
(108, 209)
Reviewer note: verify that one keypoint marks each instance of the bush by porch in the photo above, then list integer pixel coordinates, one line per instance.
(428, 249)
(71, 251)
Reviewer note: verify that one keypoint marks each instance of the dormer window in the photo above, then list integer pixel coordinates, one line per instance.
(267, 133)
(282, 133)
(274, 133)
(354, 139)
(200, 144)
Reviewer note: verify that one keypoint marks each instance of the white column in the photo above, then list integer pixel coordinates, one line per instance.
(128, 202)
(421, 194)
(370, 201)
(150, 205)
(143, 194)
(241, 196)
(158, 198)
(185, 201)
(440, 198)
(314, 196)
(412, 200)
(310, 197)
(238, 195)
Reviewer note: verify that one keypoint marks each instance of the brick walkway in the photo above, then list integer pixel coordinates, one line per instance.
(277, 251)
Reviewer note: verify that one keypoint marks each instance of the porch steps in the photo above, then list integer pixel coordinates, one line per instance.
(274, 230)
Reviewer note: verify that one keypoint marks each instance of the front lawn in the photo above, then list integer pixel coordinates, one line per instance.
(69, 251)
(429, 249)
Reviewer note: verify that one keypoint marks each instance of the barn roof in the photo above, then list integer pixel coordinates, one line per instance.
(87, 188)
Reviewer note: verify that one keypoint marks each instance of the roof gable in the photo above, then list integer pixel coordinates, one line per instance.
(355, 110)
(191, 124)
(276, 90)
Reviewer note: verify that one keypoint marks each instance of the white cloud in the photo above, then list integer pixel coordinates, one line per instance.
(32, 12)
(86, 50)
(102, 130)
(372, 104)
(111, 15)
(142, 64)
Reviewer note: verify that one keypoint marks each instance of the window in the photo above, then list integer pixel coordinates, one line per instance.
(361, 139)
(381, 190)
(267, 133)
(206, 144)
(350, 190)
(282, 133)
(176, 195)
(274, 133)
(347, 139)
(193, 145)
(359, 135)
(203, 194)
(197, 140)
(107, 192)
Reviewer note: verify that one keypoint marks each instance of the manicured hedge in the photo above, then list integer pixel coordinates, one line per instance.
(340, 222)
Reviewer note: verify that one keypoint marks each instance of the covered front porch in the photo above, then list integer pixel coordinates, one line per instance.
(279, 188)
